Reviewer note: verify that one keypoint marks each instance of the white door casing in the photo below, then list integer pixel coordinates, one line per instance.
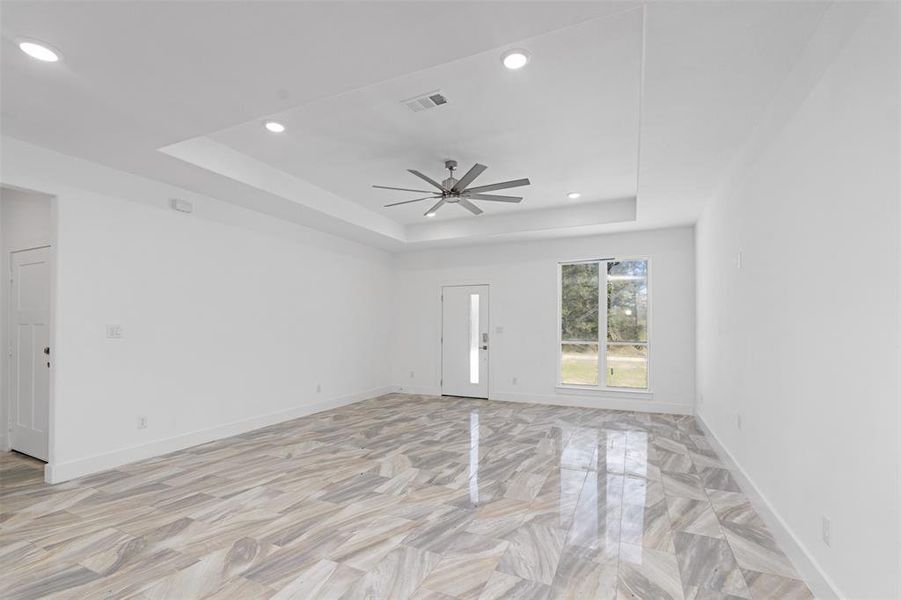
(29, 359)
(464, 341)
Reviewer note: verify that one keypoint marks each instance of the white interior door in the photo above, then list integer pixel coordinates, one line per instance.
(29, 338)
(464, 341)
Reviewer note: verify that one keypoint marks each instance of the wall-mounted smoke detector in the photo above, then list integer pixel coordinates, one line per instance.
(425, 101)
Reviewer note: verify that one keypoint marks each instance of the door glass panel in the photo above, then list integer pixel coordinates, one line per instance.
(473, 338)
(627, 365)
(579, 364)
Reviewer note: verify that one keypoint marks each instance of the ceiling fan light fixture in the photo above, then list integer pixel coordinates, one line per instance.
(515, 59)
(574, 195)
(458, 191)
(39, 51)
(274, 127)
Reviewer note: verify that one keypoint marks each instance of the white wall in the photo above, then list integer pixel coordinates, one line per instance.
(523, 300)
(24, 223)
(802, 341)
(230, 318)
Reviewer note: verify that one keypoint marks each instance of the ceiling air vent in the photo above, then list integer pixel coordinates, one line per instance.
(425, 101)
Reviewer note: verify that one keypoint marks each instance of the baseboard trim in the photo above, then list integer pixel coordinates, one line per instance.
(609, 402)
(59, 472)
(808, 568)
(418, 391)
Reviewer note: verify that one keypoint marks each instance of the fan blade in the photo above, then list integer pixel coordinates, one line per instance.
(494, 198)
(469, 206)
(385, 187)
(499, 186)
(471, 174)
(435, 208)
(428, 179)
(409, 201)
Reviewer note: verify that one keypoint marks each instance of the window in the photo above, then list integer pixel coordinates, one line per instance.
(604, 348)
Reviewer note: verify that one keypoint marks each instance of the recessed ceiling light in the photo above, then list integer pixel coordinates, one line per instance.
(38, 51)
(574, 195)
(274, 126)
(515, 59)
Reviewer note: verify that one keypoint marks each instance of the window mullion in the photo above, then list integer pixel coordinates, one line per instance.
(602, 324)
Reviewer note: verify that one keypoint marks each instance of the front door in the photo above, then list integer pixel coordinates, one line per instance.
(29, 351)
(464, 341)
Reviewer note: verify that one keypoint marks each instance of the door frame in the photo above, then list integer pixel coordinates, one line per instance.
(5, 292)
(441, 333)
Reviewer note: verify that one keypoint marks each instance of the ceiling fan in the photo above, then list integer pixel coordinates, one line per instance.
(456, 191)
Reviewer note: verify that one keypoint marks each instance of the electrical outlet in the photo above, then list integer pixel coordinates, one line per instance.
(114, 331)
(318, 387)
(738, 422)
(827, 531)
(515, 380)
(412, 375)
(738, 260)
(142, 422)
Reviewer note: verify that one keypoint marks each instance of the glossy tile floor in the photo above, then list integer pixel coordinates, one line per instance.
(403, 497)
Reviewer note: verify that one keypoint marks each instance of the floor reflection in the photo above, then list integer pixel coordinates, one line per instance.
(600, 522)
(474, 456)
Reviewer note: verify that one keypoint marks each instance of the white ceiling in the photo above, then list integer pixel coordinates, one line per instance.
(568, 122)
(177, 92)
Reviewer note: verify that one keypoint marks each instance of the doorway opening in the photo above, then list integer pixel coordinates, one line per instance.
(26, 240)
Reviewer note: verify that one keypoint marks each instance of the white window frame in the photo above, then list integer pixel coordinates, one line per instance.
(602, 327)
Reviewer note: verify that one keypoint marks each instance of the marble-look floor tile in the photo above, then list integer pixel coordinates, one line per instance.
(764, 585)
(310, 581)
(366, 548)
(533, 553)
(718, 479)
(398, 575)
(707, 562)
(501, 586)
(641, 491)
(466, 566)
(403, 497)
(685, 485)
(756, 550)
(699, 593)
(440, 534)
(580, 577)
(693, 516)
(647, 573)
(647, 526)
